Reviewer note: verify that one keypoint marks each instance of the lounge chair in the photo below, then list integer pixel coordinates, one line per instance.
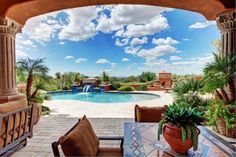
(81, 140)
(148, 114)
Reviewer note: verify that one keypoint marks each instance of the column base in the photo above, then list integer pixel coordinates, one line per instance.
(4, 99)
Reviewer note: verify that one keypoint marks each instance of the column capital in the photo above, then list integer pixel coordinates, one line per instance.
(226, 21)
(8, 26)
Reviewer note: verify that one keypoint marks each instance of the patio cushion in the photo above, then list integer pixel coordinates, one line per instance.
(9, 107)
(80, 141)
(96, 140)
(149, 114)
(114, 152)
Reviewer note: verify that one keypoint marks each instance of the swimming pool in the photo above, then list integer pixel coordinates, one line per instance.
(106, 97)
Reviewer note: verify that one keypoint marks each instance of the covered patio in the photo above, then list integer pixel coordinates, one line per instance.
(14, 14)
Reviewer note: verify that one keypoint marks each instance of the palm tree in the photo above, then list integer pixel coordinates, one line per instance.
(32, 68)
(58, 75)
(220, 75)
(105, 77)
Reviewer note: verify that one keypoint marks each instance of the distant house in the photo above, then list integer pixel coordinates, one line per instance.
(164, 82)
(165, 79)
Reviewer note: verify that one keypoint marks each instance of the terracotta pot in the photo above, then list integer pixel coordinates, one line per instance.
(37, 114)
(223, 130)
(37, 111)
(173, 136)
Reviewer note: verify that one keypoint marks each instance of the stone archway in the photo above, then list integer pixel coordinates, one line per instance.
(14, 14)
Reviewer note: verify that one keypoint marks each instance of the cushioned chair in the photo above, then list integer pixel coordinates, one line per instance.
(16, 125)
(81, 140)
(148, 114)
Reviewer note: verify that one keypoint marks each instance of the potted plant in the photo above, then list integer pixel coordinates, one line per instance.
(219, 80)
(179, 127)
(222, 117)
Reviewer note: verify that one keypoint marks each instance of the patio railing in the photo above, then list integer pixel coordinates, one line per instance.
(15, 128)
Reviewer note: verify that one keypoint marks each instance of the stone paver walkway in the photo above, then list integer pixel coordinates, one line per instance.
(50, 128)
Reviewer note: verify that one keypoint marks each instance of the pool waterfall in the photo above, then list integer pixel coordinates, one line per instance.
(87, 88)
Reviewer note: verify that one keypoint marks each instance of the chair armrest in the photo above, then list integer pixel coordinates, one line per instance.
(55, 149)
(113, 138)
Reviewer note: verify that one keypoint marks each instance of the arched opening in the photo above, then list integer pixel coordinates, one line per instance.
(18, 14)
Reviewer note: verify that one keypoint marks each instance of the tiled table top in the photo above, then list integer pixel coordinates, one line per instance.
(141, 141)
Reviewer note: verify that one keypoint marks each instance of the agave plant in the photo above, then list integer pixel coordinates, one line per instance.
(184, 117)
(189, 91)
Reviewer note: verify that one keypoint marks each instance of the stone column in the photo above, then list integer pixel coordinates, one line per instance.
(226, 22)
(8, 30)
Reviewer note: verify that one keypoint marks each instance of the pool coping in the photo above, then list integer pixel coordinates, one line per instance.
(114, 91)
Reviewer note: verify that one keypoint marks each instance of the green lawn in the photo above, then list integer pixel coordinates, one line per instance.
(132, 83)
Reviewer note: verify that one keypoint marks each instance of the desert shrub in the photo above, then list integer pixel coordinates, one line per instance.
(39, 98)
(47, 97)
(143, 87)
(125, 88)
(45, 110)
(115, 85)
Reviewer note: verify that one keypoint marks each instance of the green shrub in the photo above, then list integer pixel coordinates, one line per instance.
(45, 110)
(143, 87)
(39, 98)
(125, 88)
(115, 85)
(47, 97)
(217, 109)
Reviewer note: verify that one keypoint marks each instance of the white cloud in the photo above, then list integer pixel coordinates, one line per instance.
(183, 62)
(107, 25)
(80, 60)
(21, 54)
(132, 50)
(155, 62)
(102, 61)
(80, 26)
(62, 43)
(125, 60)
(23, 42)
(69, 57)
(137, 41)
(113, 65)
(162, 41)
(41, 28)
(175, 58)
(200, 25)
(155, 25)
(125, 15)
(122, 42)
(200, 61)
(163, 46)
(157, 51)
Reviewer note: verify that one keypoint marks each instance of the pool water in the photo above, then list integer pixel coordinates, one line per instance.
(104, 97)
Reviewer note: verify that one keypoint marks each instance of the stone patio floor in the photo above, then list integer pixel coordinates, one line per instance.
(50, 128)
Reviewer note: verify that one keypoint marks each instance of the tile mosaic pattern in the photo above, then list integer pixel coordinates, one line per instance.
(141, 141)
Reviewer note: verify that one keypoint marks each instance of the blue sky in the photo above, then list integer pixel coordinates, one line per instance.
(122, 40)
